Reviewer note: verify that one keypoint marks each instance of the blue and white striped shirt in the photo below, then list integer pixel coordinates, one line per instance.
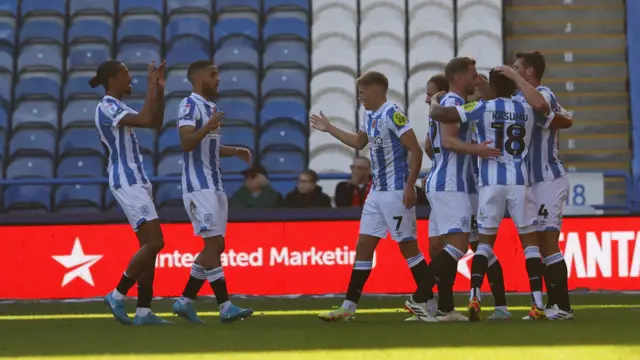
(389, 159)
(544, 159)
(125, 162)
(201, 166)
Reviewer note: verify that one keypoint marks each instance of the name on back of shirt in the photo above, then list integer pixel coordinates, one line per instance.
(509, 116)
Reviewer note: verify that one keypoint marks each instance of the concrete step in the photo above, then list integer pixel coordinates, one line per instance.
(602, 85)
(597, 127)
(587, 165)
(563, 42)
(574, 99)
(560, 3)
(559, 12)
(613, 157)
(600, 113)
(573, 141)
(565, 26)
(586, 70)
(574, 55)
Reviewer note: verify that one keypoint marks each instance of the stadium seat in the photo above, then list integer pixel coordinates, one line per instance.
(77, 87)
(169, 142)
(170, 165)
(141, 7)
(139, 83)
(24, 167)
(39, 31)
(78, 198)
(6, 62)
(237, 57)
(139, 30)
(332, 160)
(236, 32)
(91, 30)
(9, 8)
(171, 113)
(4, 121)
(169, 195)
(38, 88)
(431, 31)
(56, 8)
(242, 136)
(40, 58)
(146, 141)
(3, 155)
(283, 186)
(181, 56)
(33, 142)
(79, 113)
(7, 37)
(335, 53)
(286, 5)
(391, 13)
(91, 7)
(334, 93)
(27, 199)
(332, 17)
(80, 141)
(237, 112)
(188, 6)
(88, 57)
(238, 83)
(226, 6)
(30, 114)
(81, 166)
(283, 135)
(285, 29)
(286, 54)
(480, 33)
(127, 46)
(285, 82)
(278, 110)
(136, 104)
(194, 28)
(232, 165)
(283, 162)
(177, 84)
(138, 59)
(6, 90)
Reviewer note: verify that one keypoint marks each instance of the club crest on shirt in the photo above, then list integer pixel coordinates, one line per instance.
(399, 118)
(208, 219)
(465, 222)
(144, 210)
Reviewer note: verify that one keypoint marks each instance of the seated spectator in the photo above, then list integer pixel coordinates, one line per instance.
(307, 193)
(257, 192)
(354, 191)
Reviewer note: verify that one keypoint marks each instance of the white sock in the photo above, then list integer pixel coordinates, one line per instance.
(225, 306)
(117, 295)
(475, 292)
(184, 300)
(537, 297)
(143, 311)
(349, 305)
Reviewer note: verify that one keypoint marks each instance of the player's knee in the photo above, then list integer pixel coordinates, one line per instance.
(365, 247)
(214, 245)
(459, 240)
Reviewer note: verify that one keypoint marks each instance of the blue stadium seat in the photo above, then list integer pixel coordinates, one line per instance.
(6, 63)
(33, 142)
(224, 6)
(193, 28)
(91, 7)
(171, 113)
(283, 136)
(146, 141)
(81, 166)
(87, 57)
(136, 104)
(169, 195)
(27, 199)
(181, 55)
(78, 87)
(90, 30)
(237, 112)
(42, 32)
(152, 46)
(6, 90)
(110, 203)
(286, 54)
(31, 114)
(170, 164)
(238, 83)
(285, 29)
(7, 37)
(140, 30)
(4, 120)
(138, 59)
(78, 198)
(80, 142)
(285, 82)
(3, 145)
(40, 167)
(232, 165)
(9, 8)
(243, 136)
(40, 58)
(151, 7)
(235, 32)
(43, 8)
(283, 162)
(169, 142)
(177, 84)
(38, 88)
(79, 113)
(278, 110)
(139, 82)
(283, 186)
(188, 6)
(286, 5)
(237, 57)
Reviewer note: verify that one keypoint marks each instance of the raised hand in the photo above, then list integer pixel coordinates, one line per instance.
(244, 155)
(151, 72)
(161, 73)
(485, 151)
(437, 97)
(320, 122)
(507, 71)
(215, 120)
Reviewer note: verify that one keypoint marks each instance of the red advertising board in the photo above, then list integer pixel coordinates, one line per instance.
(280, 258)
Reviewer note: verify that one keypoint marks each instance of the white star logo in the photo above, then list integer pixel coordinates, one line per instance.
(78, 260)
(463, 264)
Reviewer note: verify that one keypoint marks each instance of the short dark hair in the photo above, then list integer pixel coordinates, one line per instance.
(458, 65)
(106, 70)
(197, 66)
(312, 174)
(501, 85)
(374, 78)
(535, 60)
(440, 81)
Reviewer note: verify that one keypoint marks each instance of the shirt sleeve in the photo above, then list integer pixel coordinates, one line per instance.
(363, 123)
(111, 112)
(187, 114)
(471, 112)
(544, 121)
(397, 121)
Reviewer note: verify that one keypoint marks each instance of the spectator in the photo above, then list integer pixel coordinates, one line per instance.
(354, 191)
(257, 192)
(307, 193)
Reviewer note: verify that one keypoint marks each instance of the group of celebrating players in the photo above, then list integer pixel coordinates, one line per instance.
(497, 152)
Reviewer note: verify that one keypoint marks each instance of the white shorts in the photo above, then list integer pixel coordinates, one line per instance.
(137, 203)
(495, 199)
(473, 201)
(450, 213)
(208, 211)
(550, 198)
(384, 212)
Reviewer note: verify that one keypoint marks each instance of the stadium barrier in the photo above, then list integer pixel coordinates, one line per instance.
(289, 258)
